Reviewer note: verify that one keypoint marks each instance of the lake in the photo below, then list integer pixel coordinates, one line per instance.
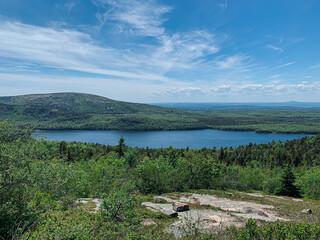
(157, 139)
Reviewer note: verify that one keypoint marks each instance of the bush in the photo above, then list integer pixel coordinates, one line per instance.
(310, 184)
(119, 204)
(276, 231)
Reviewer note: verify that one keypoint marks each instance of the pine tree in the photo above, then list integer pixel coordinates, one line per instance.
(121, 146)
(287, 187)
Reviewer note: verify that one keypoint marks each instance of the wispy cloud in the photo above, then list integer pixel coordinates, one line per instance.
(249, 89)
(145, 19)
(74, 50)
(184, 91)
(67, 5)
(59, 47)
(279, 49)
(275, 76)
(67, 49)
(316, 66)
(70, 5)
(231, 62)
(223, 6)
(284, 65)
(138, 17)
(222, 89)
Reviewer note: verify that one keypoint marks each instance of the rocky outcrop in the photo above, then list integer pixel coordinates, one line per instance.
(180, 207)
(162, 198)
(166, 209)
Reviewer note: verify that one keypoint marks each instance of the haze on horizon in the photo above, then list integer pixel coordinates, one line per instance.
(161, 50)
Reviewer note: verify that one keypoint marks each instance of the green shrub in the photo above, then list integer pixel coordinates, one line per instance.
(310, 184)
(119, 204)
(278, 231)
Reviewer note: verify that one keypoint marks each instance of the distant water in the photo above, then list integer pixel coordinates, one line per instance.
(157, 139)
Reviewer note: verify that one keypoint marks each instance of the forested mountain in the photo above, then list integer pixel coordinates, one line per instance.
(84, 103)
(85, 111)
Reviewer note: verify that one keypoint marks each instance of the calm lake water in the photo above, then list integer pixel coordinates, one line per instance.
(157, 139)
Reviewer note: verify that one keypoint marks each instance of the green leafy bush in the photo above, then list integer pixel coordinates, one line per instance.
(310, 184)
(119, 204)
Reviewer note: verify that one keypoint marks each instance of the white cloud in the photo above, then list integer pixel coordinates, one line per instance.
(145, 19)
(248, 89)
(222, 89)
(186, 91)
(278, 38)
(275, 76)
(67, 49)
(70, 5)
(315, 66)
(140, 17)
(223, 6)
(73, 50)
(231, 62)
(184, 50)
(279, 49)
(276, 89)
(59, 47)
(284, 65)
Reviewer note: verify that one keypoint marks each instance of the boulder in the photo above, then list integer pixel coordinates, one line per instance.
(306, 211)
(166, 209)
(180, 207)
(162, 198)
(148, 222)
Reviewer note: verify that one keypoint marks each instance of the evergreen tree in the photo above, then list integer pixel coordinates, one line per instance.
(287, 187)
(69, 156)
(120, 147)
(62, 147)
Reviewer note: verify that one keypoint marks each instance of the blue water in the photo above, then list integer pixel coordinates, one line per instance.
(156, 139)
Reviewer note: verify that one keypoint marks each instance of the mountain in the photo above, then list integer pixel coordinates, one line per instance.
(86, 111)
(83, 103)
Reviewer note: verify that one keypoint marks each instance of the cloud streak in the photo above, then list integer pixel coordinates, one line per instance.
(279, 49)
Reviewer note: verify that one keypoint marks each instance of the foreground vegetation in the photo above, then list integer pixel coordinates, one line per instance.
(84, 111)
(41, 180)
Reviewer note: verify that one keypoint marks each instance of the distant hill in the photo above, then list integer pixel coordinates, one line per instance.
(86, 111)
(83, 103)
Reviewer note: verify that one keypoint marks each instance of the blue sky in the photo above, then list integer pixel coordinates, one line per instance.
(161, 50)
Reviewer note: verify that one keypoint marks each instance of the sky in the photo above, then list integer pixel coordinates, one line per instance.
(162, 50)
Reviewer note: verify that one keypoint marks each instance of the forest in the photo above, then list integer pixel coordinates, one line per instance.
(85, 111)
(40, 181)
